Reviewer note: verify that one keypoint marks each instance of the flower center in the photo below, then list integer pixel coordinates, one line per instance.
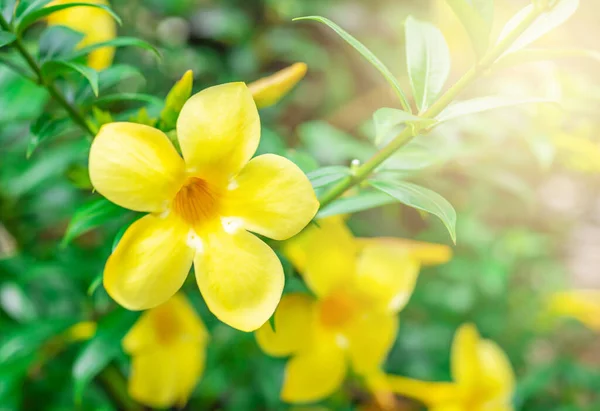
(166, 326)
(196, 202)
(337, 309)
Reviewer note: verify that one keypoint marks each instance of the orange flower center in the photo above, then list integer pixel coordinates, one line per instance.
(196, 202)
(337, 309)
(166, 326)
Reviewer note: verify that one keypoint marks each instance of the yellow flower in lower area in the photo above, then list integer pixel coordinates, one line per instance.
(582, 305)
(482, 374)
(360, 286)
(201, 207)
(168, 349)
(269, 90)
(95, 24)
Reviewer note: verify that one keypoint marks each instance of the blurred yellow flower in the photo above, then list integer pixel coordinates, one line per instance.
(168, 349)
(269, 90)
(95, 24)
(201, 207)
(483, 378)
(582, 305)
(360, 286)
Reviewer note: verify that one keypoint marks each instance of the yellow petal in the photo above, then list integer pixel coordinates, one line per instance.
(583, 305)
(165, 377)
(269, 90)
(425, 253)
(219, 130)
(173, 322)
(465, 363)
(315, 374)
(370, 339)
(497, 375)
(325, 255)
(240, 278)
(293, 326)
(149, 264)
(430, 393)
(387, 275)
(272, 197)
(135, 166)
(95, 24)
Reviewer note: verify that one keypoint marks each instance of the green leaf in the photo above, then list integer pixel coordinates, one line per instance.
(481, 104)
(89, 216)
(367, 54)
(533, 55)
(56, 42)
(477, 17)
(127, 97)
(364, 200)
(37, 11)
(6, 38)
(420, 198)
(327, 175)
(428, 61)
(101, 348)
(389, 122)
(44, 128)
(28, 6)
(547, 21)
(178, 95)
(7, 8)
(53, 68)
(116, 42)
(108, 78)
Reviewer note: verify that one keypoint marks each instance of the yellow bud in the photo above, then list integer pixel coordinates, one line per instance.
(81, 331)
(269, 90)
(179, 94)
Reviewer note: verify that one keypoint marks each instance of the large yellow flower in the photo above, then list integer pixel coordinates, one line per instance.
(582, 305)
(95, 24)
(168, 349)
(360, 286)
(201, 207)
(483, 378)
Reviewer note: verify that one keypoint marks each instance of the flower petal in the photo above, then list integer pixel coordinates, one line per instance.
(497, 373)
(135, 166)
(386, 275)
(314, 374)
(272, 197)
(293, 326)
(370, 339)
(166, 376)
(269, 90)
(583, 305)
(425, 253)
(150, 263)
(324, 255)
(219, 129)
(465, 365)
(434, 394)
(174, 321)
(240, 278)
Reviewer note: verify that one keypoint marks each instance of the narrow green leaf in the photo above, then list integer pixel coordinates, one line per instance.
(481, 104)
(549, 20)
(389, 122)
(56, 42)
(364, 200)
(128, 97)
(366, 53)
(107, 79)
(25, 7)
(6, 38)
(176, 98)
(7, 8)
(37, 11)
(53, 68)
(44, 128)
(428, 61)
(89, 216)
(420, 198)
(327, 175)
(477, 18)
(116, 42)
(101, 348)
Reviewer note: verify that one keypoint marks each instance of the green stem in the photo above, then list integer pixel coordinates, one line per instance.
(364, 171)
(116, 387)
(49, 85)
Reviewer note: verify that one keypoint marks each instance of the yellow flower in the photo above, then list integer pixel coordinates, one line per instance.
(583, 305)
(95, 24)
(360, 286)
(483, 378)
(201, 207)
(269, 90)
(168, 349)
